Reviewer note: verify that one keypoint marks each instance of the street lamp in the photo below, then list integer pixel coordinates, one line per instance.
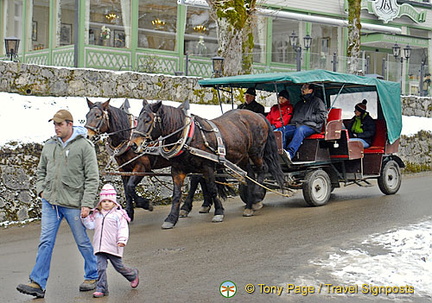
(217, 66)
(396, 50)
(407, 54)
(307, 40)
(11, 46)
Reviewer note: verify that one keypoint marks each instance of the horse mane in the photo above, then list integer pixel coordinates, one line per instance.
(172, 118)
(119, 121)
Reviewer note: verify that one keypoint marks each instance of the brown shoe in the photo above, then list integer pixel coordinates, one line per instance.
(88, 285)
(32, 289)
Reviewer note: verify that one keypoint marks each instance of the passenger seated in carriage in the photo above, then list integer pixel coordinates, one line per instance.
(281, 113)
(308, 118)
(361, 127)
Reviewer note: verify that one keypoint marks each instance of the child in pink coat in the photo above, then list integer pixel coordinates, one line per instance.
(110, 223)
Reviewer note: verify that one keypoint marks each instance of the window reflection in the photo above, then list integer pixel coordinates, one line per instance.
(282, 50)
(157, 24)
(109, 23)
(200, 34)
(65, 22)
(40, 24)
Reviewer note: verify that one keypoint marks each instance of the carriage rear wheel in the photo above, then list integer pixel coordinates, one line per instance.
(390, 180)
(317, 188)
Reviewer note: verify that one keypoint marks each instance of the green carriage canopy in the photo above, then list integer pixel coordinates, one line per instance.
(333, 83)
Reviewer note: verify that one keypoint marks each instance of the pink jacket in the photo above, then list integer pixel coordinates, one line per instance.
(111, 227)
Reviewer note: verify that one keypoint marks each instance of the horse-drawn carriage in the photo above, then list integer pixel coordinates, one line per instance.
(329, 159)
(243, 144)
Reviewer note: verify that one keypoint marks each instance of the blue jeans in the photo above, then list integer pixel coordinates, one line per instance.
(52, 216)
(293, 137)
(365, 144)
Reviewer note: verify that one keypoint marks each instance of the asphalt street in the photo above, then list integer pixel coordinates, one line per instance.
(264, 254)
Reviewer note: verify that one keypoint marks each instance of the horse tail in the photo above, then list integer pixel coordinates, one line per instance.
(271, 157)
(224, 189)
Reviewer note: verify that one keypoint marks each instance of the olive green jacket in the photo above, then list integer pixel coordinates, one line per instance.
(68, 175)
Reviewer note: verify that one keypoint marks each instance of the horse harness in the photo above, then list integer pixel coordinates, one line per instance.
(219, 153)
(124, 146)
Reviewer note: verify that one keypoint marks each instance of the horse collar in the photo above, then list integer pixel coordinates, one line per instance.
(187, 135)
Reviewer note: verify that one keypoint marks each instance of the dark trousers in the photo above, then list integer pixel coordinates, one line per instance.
(102, 263)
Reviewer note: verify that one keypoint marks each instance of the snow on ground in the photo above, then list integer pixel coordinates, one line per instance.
(26, 117)
(404, 258)
(406, 255)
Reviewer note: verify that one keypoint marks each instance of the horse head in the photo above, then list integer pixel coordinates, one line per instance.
(97, 119)
(149, 125)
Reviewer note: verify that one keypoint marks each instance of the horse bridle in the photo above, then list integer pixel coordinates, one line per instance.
(105, 117)
(147, 135)
(161, 148)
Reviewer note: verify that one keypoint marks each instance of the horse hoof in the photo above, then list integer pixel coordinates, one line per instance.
(184, 213)
(204, 209)
(218, 218)
(248, 212)
(167, 225)
(257, 206)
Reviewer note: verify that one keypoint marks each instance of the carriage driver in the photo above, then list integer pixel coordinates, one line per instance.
(251, 103)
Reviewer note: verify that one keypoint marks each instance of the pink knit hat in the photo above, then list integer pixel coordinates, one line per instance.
(108, 192)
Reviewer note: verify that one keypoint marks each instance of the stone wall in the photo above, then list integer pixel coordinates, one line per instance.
(38, 80)
(18, 162)
(417, 106)
(18, 197)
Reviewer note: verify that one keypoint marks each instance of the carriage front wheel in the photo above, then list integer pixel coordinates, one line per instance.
(390, 180)
(317, 188)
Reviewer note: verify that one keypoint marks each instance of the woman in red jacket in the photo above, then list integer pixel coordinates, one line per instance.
(280, 114)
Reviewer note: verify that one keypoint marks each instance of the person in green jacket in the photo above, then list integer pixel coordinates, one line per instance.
(67, 180)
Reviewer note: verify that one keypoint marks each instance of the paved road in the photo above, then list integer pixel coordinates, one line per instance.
(189, 263)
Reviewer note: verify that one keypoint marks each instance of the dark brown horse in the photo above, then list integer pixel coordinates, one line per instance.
(244, 135)
(103, 118)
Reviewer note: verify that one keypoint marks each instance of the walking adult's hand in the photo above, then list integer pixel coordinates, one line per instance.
(85, 211)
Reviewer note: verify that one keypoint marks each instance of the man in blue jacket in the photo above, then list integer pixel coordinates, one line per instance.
(67, 180)
(309, 116)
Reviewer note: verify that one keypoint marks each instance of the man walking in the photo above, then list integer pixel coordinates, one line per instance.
(67, 181)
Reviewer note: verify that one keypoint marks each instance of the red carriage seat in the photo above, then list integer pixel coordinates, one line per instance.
(379, 141)
(332, 128)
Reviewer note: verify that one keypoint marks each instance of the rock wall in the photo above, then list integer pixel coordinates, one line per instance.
(54, 81)
(417, 106)
(18, 201)
(18, 196)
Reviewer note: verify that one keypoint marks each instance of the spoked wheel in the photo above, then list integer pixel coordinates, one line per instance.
(390, 180)
(317, 188)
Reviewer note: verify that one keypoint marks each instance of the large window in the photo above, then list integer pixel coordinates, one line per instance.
(40, 25)
(201, 33)
(157, 24)
(323, 46)
(109, 23)
(65, 23)
(282, 50)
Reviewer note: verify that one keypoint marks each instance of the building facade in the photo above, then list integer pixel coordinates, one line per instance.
(180, 36)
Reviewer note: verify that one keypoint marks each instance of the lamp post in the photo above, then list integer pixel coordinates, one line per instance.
(11, 47)
(217, 66)
(307, 40)
(397, 52)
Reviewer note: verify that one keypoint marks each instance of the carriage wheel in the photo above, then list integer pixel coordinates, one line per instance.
(317, 188)
(390, 180)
